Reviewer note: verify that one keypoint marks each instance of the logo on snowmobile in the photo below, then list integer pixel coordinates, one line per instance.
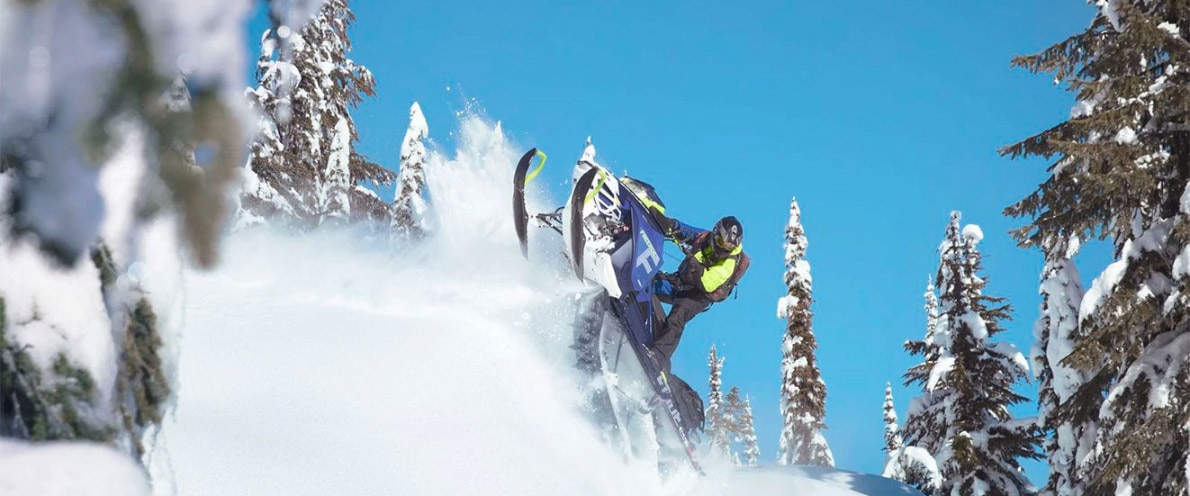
(672, 406)
(648, 258)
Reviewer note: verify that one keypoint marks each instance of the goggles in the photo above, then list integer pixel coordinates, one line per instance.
(723, 243)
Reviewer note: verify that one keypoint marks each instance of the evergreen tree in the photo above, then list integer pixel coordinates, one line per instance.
(892, 431)
(733, 410)
(409, 207)
(924, 420)
(303, 167)
(931, 311)
(142, 388)
(738, 419)
(1120, 168)
(803, 393)
(747, 435)
(59, 133)
(718, 422)
(909, 464)
(972, 379)
(915, 463)
(893, 444)
(1066, 442)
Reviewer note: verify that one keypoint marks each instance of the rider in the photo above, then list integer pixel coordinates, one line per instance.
(714, 263)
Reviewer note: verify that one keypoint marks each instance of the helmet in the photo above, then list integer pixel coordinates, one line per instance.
(727, 235)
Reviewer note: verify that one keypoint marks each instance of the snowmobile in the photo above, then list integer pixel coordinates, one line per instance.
(614, 241)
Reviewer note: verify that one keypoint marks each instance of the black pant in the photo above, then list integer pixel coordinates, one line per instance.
(686, 304)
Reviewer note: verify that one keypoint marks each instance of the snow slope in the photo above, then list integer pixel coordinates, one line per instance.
(316, 365)
(68, 469)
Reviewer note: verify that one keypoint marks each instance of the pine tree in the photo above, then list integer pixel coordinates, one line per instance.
(303, 166)
(718, 423)
(409, 207)
(803, 393)
(893, 444)
(747, 435)
(738, 420)
(1120, 169)
(931, 311)
(56, 137)
(142, 388)
(1066, 442)
(892, 431)
(973, 378)
(924, 420)
(909, 464)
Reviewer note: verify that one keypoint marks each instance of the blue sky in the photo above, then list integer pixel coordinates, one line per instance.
(880, 117)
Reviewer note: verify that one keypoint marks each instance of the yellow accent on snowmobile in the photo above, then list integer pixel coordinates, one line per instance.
(595, 191)
(537, 170)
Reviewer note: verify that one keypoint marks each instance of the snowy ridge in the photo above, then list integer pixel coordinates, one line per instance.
(315, 364)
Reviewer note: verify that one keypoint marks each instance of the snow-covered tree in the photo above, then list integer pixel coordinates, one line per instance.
(971, 378)
(738, 421)
(803, 393)
(71, 95)
(718, 421)
(1070, 427)
(893, 443)
(303, 167)
(909, 464)
(931, 311)
(892, 430)
(915, 463)
(99, 120)
(409, 205)
(747, 435)
(1120, 173)
(924, 421)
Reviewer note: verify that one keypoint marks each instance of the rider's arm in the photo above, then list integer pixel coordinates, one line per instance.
(682, 232)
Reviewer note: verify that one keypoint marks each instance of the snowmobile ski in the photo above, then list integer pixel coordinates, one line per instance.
(520, 179)
(577, 202)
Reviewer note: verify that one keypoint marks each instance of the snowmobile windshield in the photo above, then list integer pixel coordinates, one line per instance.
(644, 192)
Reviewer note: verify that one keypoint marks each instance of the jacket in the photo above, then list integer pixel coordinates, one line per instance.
(714, 277)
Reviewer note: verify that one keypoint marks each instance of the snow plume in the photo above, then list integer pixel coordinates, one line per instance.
(452, 355)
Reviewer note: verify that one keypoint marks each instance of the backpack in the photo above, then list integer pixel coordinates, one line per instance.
(722, 292)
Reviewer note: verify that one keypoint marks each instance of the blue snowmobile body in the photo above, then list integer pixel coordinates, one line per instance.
(615, 243)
